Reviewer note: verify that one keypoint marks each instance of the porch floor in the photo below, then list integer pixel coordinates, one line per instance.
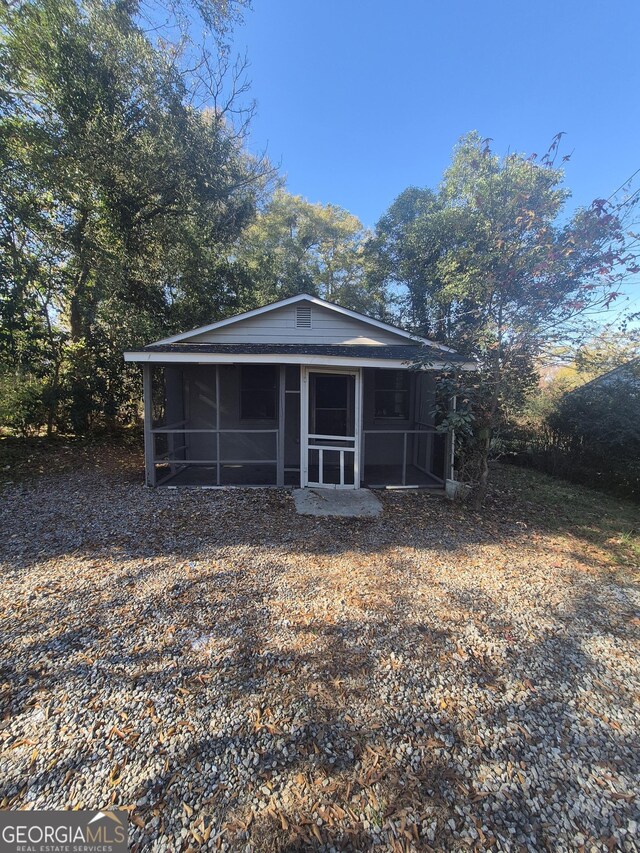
(230, 475)
(375, 476)
(391, 475)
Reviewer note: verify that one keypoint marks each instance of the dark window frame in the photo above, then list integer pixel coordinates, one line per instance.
(391, 387)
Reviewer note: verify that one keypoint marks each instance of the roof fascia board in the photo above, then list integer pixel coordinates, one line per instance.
(276, 358)
(246, 315)
(377, 323)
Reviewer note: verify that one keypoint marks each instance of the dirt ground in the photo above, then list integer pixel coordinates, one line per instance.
(240, 677)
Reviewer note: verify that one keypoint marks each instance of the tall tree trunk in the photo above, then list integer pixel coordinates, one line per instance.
(52, 407)
(483, 479)
(485, 434)
(77, 313)
(78, 240)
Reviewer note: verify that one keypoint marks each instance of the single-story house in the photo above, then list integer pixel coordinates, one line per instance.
(301, 392)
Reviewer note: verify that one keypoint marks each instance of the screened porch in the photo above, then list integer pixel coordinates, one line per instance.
(215, 425)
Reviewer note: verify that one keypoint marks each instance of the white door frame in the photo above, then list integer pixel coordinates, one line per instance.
(304, 427)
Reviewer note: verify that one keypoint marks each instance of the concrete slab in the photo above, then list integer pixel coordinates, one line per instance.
(350, 503)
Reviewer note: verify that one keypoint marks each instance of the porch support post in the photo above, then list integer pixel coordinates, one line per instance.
(304, 427)
(147, 395)
(450, 450)
(358, 462)
(217, 424)
(280, 436)
(404, 460)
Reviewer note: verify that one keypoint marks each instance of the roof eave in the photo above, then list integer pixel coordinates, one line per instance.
(293, 358)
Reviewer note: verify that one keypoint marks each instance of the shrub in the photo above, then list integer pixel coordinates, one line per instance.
(590, 435)
(24, 404)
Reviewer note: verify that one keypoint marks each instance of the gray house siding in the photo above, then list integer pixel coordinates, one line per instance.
(279, 327)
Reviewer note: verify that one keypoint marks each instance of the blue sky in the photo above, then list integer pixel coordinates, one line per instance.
(358, 100)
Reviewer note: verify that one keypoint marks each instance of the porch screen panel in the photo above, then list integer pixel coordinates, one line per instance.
(383, 459)
(258, 392)
(292, 431)
(314, 466)
(425, 403)
(338, 468)
(332, 404)
(235, 474)
(439, 454)
(391, 394)
(200, 411)
(292, 374)
(249, 446)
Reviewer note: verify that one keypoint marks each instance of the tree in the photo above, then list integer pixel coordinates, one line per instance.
(612, 347)
(294, 246)
(503, 274)
(404, 254)
(597, 428)
(119, 199)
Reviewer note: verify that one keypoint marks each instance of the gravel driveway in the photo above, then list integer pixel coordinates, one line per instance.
(240, 677)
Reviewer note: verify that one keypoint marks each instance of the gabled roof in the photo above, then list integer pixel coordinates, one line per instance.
(301, 297)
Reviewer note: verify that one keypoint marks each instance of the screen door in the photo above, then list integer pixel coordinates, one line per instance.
(330, 452)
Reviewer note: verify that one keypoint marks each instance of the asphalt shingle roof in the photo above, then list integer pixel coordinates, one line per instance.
(404, 352)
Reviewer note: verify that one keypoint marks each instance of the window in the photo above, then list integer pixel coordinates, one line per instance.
(391, 394)
(258, 387)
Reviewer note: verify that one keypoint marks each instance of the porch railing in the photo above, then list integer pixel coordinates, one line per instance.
(337, 444)
(410, 463)
(171, 455)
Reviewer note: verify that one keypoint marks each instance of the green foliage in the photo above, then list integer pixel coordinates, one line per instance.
(408, 242)
(611, 348)
(490, 266)
(583, 421)
(119, 200)
(24, 403)
(592, 433)
(294, 246)
(604, 413)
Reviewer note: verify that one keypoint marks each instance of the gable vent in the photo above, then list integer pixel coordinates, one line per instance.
(303, 317)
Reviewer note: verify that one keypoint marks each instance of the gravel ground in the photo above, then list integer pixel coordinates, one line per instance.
(240, 677)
